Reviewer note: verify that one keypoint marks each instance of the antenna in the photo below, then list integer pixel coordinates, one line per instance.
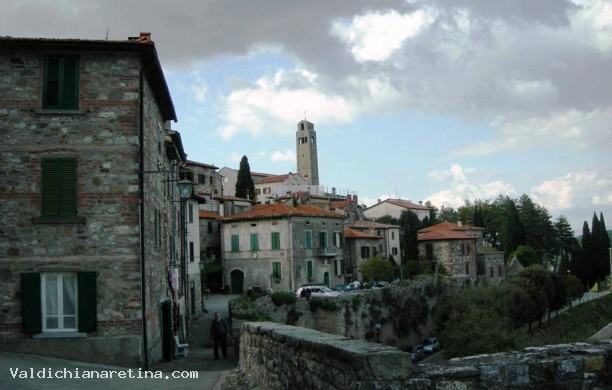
(304, 115)
(107, 33)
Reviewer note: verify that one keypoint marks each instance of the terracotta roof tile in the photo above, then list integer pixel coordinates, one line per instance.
(441, 235)
(208, 214)
(352, 233)
(272, 179)
(371, 225)
(406, 204)
(450, 226)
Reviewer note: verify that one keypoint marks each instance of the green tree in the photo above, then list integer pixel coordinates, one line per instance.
(245, 188)
(388, 220)
(538, 228)
(410, 225)
(566, 243)
(377, 269)
(513, 231)
(517, 305)
(447, 213)
(526, 255)
(587, 270)
(575, 289)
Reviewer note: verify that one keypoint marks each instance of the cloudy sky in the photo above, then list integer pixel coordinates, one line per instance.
(441, 100)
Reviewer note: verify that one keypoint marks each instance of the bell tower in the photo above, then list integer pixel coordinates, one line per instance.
(306, 148)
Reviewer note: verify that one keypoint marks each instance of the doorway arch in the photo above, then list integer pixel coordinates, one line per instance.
(326, 279)
(237, 281)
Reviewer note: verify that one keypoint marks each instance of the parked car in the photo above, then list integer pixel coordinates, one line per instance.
(431, 345)
(318, 290)
(417, 352)
(345, 288)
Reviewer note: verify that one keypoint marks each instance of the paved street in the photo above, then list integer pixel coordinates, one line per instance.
(210, 373)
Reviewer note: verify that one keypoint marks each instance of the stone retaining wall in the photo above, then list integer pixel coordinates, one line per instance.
(275, 356)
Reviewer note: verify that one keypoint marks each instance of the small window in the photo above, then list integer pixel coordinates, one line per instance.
(394, 251)
(308, 239)
(365, 252)
(191, 252)
(393, 235)
(323, 239)
(58, 188)
(309, 273)
(254, 242)
(276, 270)
(210, 227)
(467, 268)
(235, 243)
(275, 240)
(61, 83)
(190, 212)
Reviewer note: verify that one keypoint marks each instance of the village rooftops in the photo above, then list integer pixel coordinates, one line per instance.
(281, 210)
(205, 214)
(352, 233)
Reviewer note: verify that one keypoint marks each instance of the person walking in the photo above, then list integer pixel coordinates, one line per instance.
(219, 329)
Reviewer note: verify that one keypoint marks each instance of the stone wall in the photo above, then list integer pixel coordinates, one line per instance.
(405, 313)
(274, 356)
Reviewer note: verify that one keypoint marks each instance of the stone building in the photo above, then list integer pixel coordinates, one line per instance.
(281, 247)
(359, 247)
(90, 240)
(394, 208)
(455, 251)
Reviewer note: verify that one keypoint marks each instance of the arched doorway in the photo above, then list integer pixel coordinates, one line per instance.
(237, 280)
(326, 279)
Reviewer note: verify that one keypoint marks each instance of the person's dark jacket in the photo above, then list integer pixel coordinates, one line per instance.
(219, 327)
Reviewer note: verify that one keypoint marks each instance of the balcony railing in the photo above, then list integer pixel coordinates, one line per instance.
(329, 251)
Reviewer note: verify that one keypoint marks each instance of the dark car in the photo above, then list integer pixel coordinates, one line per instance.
(431, 345)
(417, 352)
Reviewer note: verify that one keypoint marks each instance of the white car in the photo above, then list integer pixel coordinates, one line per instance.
(318, 291)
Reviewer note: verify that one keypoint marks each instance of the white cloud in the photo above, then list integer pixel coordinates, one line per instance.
(572, 129)
(284, 155)
(272, 104)
(375, 36)
(463, 187)
(581, 188)
(199, 89)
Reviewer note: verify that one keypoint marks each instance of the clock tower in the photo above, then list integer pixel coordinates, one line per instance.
(306, 148)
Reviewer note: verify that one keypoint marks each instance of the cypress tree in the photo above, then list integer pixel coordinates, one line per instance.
(245, 187)
(514, 232)
(588, 268)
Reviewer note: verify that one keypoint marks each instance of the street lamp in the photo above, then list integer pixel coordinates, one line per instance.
(185, 189)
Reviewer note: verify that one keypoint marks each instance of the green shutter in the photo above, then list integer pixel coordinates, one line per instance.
(58, 188)
(308, 239)
(31, 309)
(276, 269)
(254, 242)
(275, 240)
(70, 84)
(49, 190)
(309, 269)
(235, 243)
(68, 188)
(88, 319)
(51, 81)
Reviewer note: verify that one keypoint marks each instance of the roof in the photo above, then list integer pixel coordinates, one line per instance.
(402, 203)
(443, 235)
(339, 204)
(228, 197)
(450, 226)
(208, 214)
(199, 164)
(282, 210)
(371, 225)
(142, 45)
(352, 233)
(272, 179)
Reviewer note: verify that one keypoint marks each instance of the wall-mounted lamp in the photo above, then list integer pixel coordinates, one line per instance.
(185, 189)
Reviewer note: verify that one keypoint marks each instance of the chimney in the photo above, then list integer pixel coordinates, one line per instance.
(378, 200)
(355, 198)
(145, 37)
(420, 202)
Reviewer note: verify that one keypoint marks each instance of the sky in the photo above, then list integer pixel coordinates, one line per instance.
(441, 100)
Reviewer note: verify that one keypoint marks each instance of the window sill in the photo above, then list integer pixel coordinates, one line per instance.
(59, 221)
(56, 111)
(60, 335)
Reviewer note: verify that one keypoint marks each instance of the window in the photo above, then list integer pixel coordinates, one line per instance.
(339, 267)
(468, 248)
(462, 248)
(323, 239)
(309, 273)
(58, 188)
(467, 268)
(212, 180)
(56, 302)
(276, 240)
(210, 227)
(276, 269)
(191, 252)
(393, 235)
(308, 239)
(365, 252)
(61, 83)
(190, 212)
(337, 239)
(429, 255)
(235, 243)
(254, 241)
(202, 179)
(394, 251)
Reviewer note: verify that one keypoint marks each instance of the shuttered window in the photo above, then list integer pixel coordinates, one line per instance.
(254, 241)
(308, 239)
(59, 302)
(61, 83)
(59, 188)
(276, 240)
(235, 243)
(309, 272)
(276, 269)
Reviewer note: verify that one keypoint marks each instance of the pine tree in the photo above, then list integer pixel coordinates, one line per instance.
(245, 188)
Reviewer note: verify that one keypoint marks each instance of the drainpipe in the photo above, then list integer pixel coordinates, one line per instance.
(141, 202)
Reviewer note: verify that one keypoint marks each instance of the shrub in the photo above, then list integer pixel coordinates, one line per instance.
(325, 304)
(280, 298)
